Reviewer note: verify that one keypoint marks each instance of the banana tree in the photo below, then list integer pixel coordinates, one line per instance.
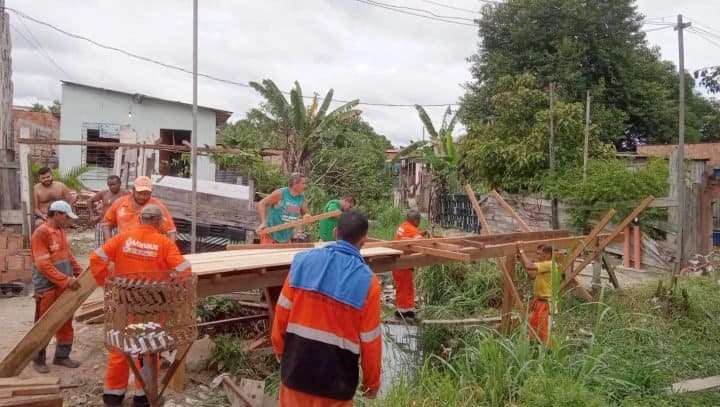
(300, 127)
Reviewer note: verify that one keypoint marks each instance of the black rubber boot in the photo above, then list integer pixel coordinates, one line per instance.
(141, 401)
(39, 363)
(113, 400)
(62, 357)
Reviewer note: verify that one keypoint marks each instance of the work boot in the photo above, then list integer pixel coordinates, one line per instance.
(113, 400)
(39, 363)
(62, 357)
(141, 401)
(407, 315)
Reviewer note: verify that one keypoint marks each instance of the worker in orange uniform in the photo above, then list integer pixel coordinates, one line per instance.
(326, 319)
(404, 285)
(54, 269)
(143, 252)
(540, 308)
(124, 213)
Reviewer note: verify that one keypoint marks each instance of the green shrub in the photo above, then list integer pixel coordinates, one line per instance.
(557, 391)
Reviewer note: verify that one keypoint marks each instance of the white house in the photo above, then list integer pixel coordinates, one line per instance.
(95, 114)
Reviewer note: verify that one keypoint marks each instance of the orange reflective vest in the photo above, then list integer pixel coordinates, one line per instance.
(320, 334)
(53, 262)
(125, 214)
(141, 252)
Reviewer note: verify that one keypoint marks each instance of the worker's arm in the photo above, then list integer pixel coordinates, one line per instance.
(110, 219)
(262, 206)
(102, 260)
(175, 260)
(282, 316)
(68, 195)
(93, 202)
(36, 199)
(371, 341)
(168, 224)
(305, 209)
(77, 269)
(39, 245)
(530, 267)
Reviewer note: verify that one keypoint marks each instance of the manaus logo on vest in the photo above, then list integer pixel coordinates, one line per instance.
(133, 246)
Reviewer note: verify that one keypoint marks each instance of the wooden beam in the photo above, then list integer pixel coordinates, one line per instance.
(510, 209)
(232, 320)
(485, 227)
(270, 246)
(445, 254)
(705, 383)
(611, 272)
(302, 221)
(45, 400)
(44, 329)
(592, 236)
(603, 243)
(461, 322)
(34, 381)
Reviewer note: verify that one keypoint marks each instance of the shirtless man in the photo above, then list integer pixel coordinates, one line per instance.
(106, 197)
(46, 192)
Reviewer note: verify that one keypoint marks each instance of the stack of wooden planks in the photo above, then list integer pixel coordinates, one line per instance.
(91, 312)
(35, 392)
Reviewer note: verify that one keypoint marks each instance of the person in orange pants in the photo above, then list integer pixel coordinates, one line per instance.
(54, 269)
(327, 319)
(404, 285)
(540, 307)
(146, 253)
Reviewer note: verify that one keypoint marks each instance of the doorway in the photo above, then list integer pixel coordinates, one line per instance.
(171, 163)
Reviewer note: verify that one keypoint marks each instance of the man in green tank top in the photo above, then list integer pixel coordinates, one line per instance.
(284, 205)
(327, 226)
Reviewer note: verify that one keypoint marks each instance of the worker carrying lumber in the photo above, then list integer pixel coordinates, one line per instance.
(540, 307)
(54, 269)
(284, 205)
(143, 252)
(124, 214)
(404, 285)
(326, 319)
(327, 226)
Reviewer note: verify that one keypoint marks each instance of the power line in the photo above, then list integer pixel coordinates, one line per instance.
(420, 10)
(451, 7)
(181, 69)
(707, 32)
(657, 29)
(38, 50)
(703, 36)
(401, 11)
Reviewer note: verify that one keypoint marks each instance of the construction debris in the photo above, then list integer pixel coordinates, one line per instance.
(37, 392)
(250, 393)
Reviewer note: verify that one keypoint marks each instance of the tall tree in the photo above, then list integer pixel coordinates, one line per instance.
(299, 126)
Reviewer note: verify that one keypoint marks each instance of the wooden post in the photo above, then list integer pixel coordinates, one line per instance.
(637, 247)
(26, 195)
(507, 300)
(586, 145)
(6, 88)
(554, 213)
(626, 248)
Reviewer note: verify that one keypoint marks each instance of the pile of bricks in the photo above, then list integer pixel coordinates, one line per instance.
(15, 262)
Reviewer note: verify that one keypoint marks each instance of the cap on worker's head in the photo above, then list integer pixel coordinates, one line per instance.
(62, 207)
(143, 183)
(151, 211)
(413, 214)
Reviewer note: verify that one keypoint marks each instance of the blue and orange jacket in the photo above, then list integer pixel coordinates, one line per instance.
(327, 320)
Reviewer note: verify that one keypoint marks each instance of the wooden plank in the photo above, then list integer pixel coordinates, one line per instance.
(507, 300)
(40, 334)
(301, 222)
(461, 322)
(270, 246)
(705, 383)
(611, 272)
(485, 230)
(510, 209)
(445, 254)
(232, 320)
(47, 400)
(34, 390)
(592, 236)
(7, 382)
(606, 241)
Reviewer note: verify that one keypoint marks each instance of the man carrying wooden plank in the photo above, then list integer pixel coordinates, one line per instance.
(282, 206)
(540, 307)
(124, 214)
(404, 284)
(106, 198)
(327, 319)
(327, 226)
(46, 192)
(54, 269)
(145, 253)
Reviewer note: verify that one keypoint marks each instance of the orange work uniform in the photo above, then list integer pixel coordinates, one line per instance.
(53, 267)
(124, 214)
(141, 253)
(404, 285)
(327, 319)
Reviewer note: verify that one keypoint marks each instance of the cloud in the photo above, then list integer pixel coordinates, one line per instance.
(361, 51)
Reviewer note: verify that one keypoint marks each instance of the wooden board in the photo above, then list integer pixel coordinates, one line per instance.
(6, 382)
(238, 260)
(48, 400)
(40, 334)
(303, 221)
(705, 383)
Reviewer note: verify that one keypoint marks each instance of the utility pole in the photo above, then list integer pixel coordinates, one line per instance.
(554, 216)
(587, 136)
(680, 256)
(6, 88)
(193, 152)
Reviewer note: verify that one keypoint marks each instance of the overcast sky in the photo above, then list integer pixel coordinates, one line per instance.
(361, 51)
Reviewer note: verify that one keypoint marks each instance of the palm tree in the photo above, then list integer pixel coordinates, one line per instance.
(300, 127)
(442, 142)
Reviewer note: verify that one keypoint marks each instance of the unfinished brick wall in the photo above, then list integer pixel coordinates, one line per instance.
(15, 262)
(42, 126)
